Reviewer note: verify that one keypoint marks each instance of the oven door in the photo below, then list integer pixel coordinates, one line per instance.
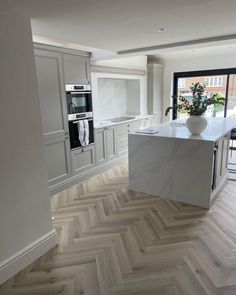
(74, 133)
(79, 102)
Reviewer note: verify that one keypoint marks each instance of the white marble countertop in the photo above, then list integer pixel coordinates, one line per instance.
(107, 123)
(217, 127)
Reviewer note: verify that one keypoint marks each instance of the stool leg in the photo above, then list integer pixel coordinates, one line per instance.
(231, 152)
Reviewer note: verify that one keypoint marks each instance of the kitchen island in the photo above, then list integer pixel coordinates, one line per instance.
(173, 164)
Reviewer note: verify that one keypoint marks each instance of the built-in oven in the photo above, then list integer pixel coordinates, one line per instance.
(79, 99)
(80, 130)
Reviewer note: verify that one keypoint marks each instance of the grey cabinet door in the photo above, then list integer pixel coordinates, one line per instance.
(110, 143)
(221, 160)
(57, 158)
(82, 159)
(225, 154)
(76, 69)
(145, 123)
(100, 146)
(218, 160)
(54, 116)
(122, 140)
(122, 136)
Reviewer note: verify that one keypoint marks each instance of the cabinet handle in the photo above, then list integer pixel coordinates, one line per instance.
(128, 125)
(66, 133)
(82, 150)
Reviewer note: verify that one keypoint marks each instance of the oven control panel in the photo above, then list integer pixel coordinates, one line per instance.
(77, 116)
(77, 87)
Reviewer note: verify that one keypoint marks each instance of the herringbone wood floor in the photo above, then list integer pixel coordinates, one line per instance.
(113, 241)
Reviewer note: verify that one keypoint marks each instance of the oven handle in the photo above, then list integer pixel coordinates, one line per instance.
(80, 92)
(75, 122)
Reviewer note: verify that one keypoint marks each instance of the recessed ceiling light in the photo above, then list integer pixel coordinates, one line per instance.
(162, 30)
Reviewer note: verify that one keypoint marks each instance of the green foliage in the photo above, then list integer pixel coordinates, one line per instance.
(199, 101)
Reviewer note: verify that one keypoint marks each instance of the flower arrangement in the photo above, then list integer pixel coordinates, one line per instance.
(198, 103)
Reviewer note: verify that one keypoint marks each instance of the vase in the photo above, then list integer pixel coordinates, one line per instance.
(196, 124)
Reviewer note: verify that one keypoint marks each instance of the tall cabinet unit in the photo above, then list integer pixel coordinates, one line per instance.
(56, 67)
(155, 78)
(76, 69)
(54, 115)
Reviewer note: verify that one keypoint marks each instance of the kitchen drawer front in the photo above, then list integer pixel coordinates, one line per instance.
(82, 160)
(122, 136)
(132, 126)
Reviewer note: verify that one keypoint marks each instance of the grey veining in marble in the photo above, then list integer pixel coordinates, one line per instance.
(171, 168)
(112, 98)
(216, 128)
(173, 164)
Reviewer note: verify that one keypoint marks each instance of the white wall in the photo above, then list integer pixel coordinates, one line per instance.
(25, 218)
(192, 64)
(112, 98)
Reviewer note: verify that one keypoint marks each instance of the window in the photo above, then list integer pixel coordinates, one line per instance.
(181, 83)
(214, 81)
(220, 81)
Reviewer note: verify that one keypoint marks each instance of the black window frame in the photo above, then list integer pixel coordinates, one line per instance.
(188, 74)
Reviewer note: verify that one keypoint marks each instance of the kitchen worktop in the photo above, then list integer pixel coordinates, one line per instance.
(176, 165)
(107, 123)
(216, 128)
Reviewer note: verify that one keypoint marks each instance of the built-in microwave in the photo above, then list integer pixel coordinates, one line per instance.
(79, 99)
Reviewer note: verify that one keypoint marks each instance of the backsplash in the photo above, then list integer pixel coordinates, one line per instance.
(112, 98)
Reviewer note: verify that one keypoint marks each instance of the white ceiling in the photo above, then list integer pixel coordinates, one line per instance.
(118, 25)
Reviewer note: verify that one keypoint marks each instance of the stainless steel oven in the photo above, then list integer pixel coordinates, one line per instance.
(74, 121)
(79, 99)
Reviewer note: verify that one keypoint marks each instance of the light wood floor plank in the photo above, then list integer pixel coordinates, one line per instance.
(113, 241)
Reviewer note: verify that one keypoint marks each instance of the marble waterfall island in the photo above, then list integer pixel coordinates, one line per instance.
(173, 164)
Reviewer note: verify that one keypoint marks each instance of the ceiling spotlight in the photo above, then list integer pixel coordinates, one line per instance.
(162, 30)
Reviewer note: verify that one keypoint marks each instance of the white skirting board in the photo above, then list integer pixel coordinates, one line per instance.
(12, 265)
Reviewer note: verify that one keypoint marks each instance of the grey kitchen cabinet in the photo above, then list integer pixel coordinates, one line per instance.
(57, 158)
(49, 71)
(145, 123)
(100, 145)
(122, 132)
(110, 143)
(225, 153)
(221, 158)
(82, 159)
(105, 144)
(76, 69)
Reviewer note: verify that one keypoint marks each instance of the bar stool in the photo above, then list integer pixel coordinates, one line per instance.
(232, 165)
(232, 138)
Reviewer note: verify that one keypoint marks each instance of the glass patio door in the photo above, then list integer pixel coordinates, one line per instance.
(222, 82)
(231, 101)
